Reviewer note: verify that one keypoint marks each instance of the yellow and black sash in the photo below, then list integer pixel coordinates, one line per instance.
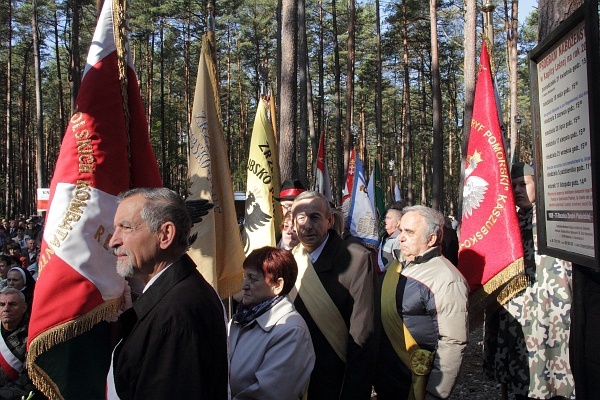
(417, 360)
(318, 303)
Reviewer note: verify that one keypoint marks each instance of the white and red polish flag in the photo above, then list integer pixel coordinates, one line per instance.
(105, 151)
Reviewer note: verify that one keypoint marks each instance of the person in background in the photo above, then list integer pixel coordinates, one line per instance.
(12, 228)
(33, 268)
(14, 381)
(21, 279)
(174, 342)
(14, 251)
(450, 242)
(4, 238)
(526, 344)
(21, 239)
(389, 243)
(32, 251)
(33, 229)
(271, 352)
(290, 188)
(424, 302)
(335, 295)
(289, 239)
(5, 265)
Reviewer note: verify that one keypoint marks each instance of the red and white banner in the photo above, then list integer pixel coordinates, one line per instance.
(105, 151)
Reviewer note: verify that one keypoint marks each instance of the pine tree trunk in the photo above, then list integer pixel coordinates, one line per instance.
(437, 184)
(348, 139)
(75, 61)
(289, 90)
(303, 74)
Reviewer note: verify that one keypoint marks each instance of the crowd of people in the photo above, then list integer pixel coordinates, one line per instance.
(319, 316)
(19, 252)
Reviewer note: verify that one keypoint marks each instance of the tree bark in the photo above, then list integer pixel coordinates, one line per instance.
(39, 129)
(289, 90)
(512, 24)
(349, 139)
(75, 61)
(406, 113)
(551, 13)
(321, 118)
(60, 100)
(8, 185)
(341, 173)
(437, 189)
(303, 74)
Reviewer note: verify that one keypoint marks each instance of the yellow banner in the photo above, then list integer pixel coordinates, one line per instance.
(263, 214)
(217, 245)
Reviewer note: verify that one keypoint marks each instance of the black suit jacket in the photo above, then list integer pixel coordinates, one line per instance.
(175, 341)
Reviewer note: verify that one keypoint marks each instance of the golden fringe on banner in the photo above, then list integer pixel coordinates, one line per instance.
(497, 291)
(60, 334)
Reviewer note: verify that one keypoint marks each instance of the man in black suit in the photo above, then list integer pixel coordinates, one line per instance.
(174, 337)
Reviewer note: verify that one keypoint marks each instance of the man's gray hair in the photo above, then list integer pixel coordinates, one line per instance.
(164, 205)
(309, 195)
(434, 221)
(12, 290)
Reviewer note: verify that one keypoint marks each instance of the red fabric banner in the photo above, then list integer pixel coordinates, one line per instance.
(105, 151)
(491, 253)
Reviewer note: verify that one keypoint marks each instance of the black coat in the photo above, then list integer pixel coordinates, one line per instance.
(175, 341)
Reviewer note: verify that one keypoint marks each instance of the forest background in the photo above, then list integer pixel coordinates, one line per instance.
(343, 59)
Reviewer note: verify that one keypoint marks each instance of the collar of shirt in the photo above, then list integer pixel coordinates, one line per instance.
(426, 256)
(314, 256)
(154, 278)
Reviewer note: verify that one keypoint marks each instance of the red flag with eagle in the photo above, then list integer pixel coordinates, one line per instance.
(105, 151)
(491, 254)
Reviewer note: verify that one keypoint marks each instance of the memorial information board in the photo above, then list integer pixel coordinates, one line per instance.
(565, 144)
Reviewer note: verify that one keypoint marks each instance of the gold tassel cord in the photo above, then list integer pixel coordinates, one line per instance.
(497, 291)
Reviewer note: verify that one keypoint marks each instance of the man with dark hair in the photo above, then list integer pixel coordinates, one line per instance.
(423, 313)
(21, 239)
(174, 337)
(335, 295)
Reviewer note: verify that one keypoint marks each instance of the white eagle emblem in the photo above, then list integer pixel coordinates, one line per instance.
(475, 186)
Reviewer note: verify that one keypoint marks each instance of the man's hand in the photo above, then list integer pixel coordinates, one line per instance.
(126, 303)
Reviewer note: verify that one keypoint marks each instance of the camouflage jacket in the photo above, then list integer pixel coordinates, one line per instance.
(527, 340)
